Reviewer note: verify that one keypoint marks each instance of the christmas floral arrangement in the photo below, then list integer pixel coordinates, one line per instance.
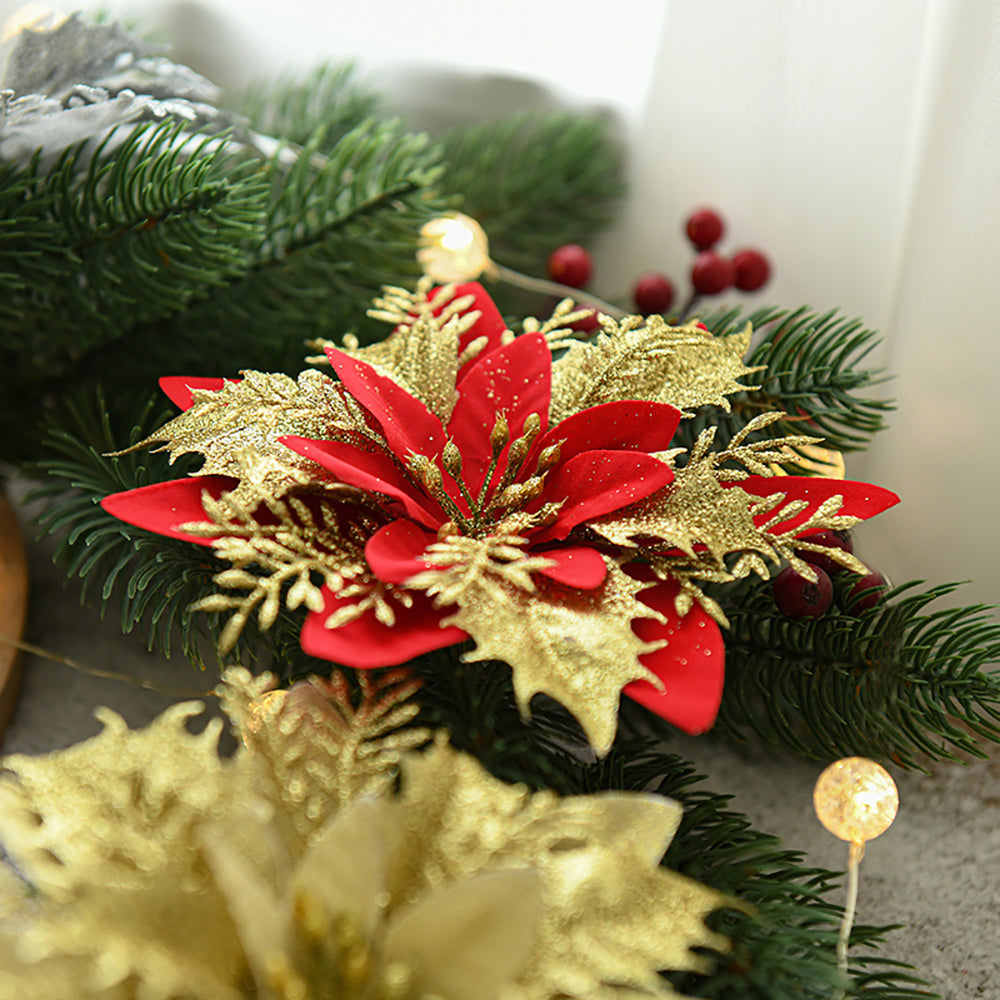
(295, 869)
(576, 509)
(457, 481)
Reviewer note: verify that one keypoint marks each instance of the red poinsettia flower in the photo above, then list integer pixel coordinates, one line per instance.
(495, 467)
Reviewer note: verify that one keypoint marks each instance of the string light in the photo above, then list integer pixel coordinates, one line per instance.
(455, 248)
(30, 17)
(856, 800)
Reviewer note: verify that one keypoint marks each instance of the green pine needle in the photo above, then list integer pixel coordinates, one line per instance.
(329, 100)
(535, 182)
(898, 682)
(813, 371)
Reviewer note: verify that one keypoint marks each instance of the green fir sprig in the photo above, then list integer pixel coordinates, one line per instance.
(813, 370)
(329, 101)
(899, 681)
(535, 181)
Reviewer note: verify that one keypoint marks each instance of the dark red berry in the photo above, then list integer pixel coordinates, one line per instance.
(865, 593)
(832, 540)
(798, 597)
(587, 324)
(704, 228)
(711, 274)
(570, 265)
(653, 293)
(752, 270)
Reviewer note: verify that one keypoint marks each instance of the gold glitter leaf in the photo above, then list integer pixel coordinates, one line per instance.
(636, 358)
(237, 428)
(459, 887)
(108, 831)
(421, 355)
(576, 646)
(612, 917)
(110, 804)
(303, 547)
(313, 749)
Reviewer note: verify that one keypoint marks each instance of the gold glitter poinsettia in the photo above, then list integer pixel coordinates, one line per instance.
(459, 482)
(159, 871)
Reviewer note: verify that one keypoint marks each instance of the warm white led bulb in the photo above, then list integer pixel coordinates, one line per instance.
(30, 17)
(453, 248)
(856, 799)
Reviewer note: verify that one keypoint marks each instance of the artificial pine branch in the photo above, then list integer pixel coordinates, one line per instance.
(135, 227)
(149, 582)
(896, 682)
(813, 372)
(331, 237)
(329, 100)
(165, 252)
(104, 239)
(534, 182)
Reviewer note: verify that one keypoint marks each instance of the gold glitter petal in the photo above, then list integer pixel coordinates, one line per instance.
(472, 939)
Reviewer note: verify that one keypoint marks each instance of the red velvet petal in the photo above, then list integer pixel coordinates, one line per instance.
(861, 500)
(161, 507)
(691, 665)
(369, 471)
(625, 425)
(366, 643)
(575, 566)
(599, 482)
(406, 422)
(515, 380)
(178, 387)
(393, 552)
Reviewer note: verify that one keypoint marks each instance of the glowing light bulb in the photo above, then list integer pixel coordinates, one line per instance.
(454, 248)
(30, 17)
(856, 799)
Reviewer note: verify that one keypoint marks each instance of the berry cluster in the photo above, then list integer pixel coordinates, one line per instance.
(711, 273)
(799, 597)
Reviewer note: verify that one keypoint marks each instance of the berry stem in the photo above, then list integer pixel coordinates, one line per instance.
(546, 287)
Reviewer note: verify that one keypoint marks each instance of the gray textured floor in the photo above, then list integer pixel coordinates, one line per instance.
(937, 870)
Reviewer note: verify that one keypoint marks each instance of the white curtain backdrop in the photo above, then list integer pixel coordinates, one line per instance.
(856, 141)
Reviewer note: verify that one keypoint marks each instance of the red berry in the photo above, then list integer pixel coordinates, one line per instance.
(653, 293)
(586, 324)
(704, 228)
(701, 326)
(798, 597)
(752, 270)
(832, 540)
(570, 265)
(711, 274)
(866, 593)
